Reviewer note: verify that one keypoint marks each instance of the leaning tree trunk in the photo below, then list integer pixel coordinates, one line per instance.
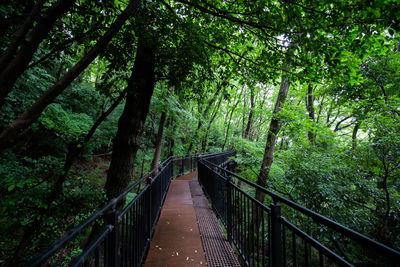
(130, 124)
(19, 36)
(74, 151)
(159, 139)
(273, 131)
(9, 135)
(16, 66)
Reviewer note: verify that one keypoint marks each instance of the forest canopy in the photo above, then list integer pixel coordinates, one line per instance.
(93, 94)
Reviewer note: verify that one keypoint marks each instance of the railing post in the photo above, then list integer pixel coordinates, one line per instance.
(149, 208)
(114, 244)
(182, 166)
(171, 166)
(228, 207)
(276, 236)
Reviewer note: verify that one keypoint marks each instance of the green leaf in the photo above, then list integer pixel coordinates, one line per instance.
(11, 187)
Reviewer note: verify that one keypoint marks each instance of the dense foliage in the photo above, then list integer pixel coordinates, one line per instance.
(219, 66)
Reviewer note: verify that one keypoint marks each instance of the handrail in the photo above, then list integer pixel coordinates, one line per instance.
(41, 258)
(245, 218)
(111, 231)
(317, 217)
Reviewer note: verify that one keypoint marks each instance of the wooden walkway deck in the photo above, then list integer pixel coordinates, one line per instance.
(177, 239)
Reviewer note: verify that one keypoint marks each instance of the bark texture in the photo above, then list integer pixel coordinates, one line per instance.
(159, 139)
(130, 125)
(9, 135)
(274, 127)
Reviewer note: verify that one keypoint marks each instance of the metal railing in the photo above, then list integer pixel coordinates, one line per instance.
(264, 237)
(112, 237)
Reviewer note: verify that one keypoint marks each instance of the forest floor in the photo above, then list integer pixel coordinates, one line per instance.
(95, 170)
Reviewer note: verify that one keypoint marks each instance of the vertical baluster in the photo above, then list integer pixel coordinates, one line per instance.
(136, 233)
(96, 256)
(229, 208)
(263, 238)
(276, 237)
(306, 251)
(294, 253)
(269, 240)
(114, 246)
(143, 220)
(284, 244)
(122, 241)
(139, 228)
(105, 252)
(160, 194)
(252, 226)
(321, 259)
(182, 167)
(240, 218)
(128, 238)
(234, 202)
(257, 233)
(136, 244)
(249, 237)
(149, 194)
(243, 222)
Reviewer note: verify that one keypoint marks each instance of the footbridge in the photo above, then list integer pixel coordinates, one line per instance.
(196, 211)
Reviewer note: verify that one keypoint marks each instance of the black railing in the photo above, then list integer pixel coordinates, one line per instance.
(264, 237)
(112, 237)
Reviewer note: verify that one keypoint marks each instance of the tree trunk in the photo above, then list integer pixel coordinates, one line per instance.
(159, 139)
(273, 131)
(14, 67)
(250, 119)
(131, 123)
(311, 113)
(170, 139)
(244, 113)
(10, 133)
(19, 36)
(74, 150)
